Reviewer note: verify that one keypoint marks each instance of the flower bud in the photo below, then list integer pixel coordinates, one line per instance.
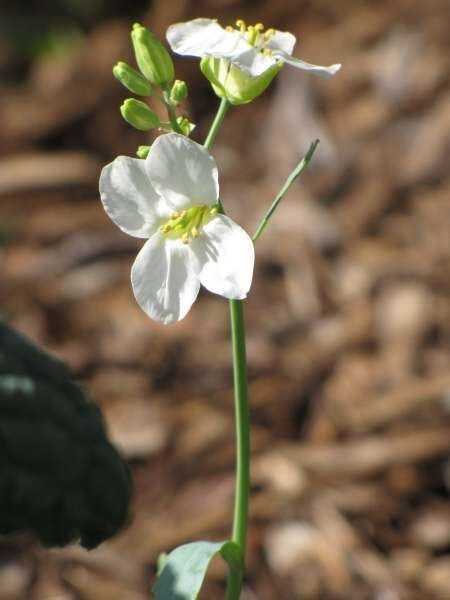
(179, 91)
(185, 125)
(151, 56)
(132, 80)
(230, 82)
(142, 151)
(139, 115)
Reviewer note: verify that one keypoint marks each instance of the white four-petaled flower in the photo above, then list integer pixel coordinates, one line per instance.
(250, 49)
(171, 198)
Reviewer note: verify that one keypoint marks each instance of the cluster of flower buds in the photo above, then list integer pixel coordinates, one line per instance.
(156, 71)
(60, 478)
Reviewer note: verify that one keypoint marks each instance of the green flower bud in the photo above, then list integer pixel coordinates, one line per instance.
(233, 84)
(60, 478)
(132, 80)
(179, 91)
(142, 151)
(151, 56)
(139, 115)
(185, 125)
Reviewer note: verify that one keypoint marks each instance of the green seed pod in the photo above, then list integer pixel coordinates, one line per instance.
(152, 57)
(179, 91)
(132, 80)
(142, 151)
(60, 478)
(139, 115)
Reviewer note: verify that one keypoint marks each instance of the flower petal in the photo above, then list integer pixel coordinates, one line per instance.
(129, 198)
(205, 37)
(281, 40)
(300, 64)
(253, 62)
(226, 257)
(182, 171)
(165, 280)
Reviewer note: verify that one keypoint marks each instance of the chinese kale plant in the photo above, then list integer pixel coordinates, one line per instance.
(169, 196)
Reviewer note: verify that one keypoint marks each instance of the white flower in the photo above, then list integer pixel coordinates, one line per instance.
(250, 49)
(171, 198)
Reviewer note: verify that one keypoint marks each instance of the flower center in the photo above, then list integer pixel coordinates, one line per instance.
(254, 35)
(188, 223)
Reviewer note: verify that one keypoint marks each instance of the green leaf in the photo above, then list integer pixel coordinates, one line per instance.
(185, 568)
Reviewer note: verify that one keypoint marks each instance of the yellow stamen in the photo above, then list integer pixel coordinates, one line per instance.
(252, 35)
(229, 28)
(269, 33)
(241, 24)
(259, 27)
(267, 51)
(188, 223)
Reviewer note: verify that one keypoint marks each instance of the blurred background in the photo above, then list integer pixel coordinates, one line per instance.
(348, 320)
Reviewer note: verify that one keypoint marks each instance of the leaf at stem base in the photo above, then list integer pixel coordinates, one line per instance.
(185, 568)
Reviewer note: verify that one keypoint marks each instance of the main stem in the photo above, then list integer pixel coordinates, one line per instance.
(240, 518)
(242, 416)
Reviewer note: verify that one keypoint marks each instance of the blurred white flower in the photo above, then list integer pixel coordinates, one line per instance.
(249, 48)
(171, 198)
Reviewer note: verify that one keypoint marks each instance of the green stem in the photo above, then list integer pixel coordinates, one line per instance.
(242, 415)
(171, 112)
(240, 520)
(214, 130)
(287, 184)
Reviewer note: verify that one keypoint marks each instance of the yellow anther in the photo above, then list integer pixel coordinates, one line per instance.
(241, 24)
(187, 224)
(259, 27)
(251, 35)
(267, 51)
(269, 33)
(229, 28)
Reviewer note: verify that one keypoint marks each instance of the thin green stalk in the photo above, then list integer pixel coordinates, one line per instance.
(214, 130)
(171, 112)
(242, 415)
(287, 184)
